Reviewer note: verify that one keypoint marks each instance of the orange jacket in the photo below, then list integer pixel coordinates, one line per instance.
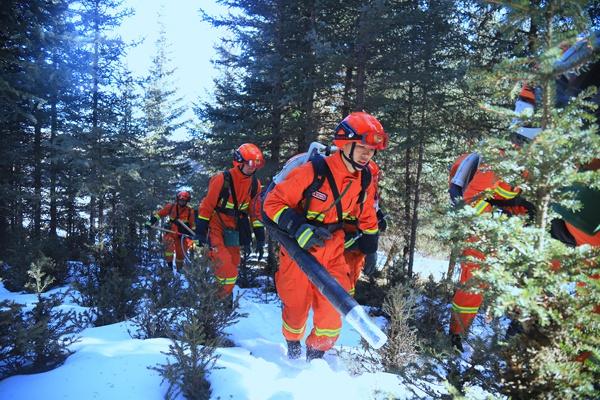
(174, 212)
(242, 186)
(485, 179)
(289, 194)
(351, 220)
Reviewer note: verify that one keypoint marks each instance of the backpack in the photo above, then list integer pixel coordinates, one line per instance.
(242, 220)
(316, 156)
(228, 189)
(463, 175)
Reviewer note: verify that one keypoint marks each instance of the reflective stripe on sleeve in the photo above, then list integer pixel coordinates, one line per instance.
(278, 214)
(305, 237)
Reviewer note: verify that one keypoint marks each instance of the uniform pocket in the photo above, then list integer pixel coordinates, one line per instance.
(231, 238)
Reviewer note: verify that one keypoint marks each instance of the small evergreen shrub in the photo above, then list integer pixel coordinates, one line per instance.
(36, 340)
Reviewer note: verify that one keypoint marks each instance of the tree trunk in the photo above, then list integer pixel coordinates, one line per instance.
(415, 216)
(53, 170)
(96, 137)
(37, 172)
(346, 102)
(310, 90)
(407, 181)
(277, 91)
(360, 55)
(452, 263)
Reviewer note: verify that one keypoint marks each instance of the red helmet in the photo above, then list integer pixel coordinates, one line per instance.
(250, 154)
(362, 127)
(184, 195)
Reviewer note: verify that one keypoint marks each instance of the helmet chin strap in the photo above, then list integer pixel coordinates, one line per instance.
(241, 167)
(357, 167)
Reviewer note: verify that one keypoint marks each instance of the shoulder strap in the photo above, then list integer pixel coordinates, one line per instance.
(232, 189)
(224, 194)
(229, 187)
(336, 194)
(322, 172)
(365, 181)
(318, 179)
(253, 187)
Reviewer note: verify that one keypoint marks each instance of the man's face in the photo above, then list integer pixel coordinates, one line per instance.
(247, 169)
(362, 153)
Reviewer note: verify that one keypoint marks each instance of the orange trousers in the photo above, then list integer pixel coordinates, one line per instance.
(172, 243)
(224, 259)
(465, 304)
(356, 261)
(299, 295)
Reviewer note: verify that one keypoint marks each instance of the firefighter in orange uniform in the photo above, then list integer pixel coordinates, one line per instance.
(469, 180)
(316, 224)
(225, 216)
(357, 260)
(179, 213)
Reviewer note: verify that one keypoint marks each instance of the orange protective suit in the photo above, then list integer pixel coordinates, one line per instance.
(354, 257)
(226, 259)
(295, 290)
(465, 303)
(172, 241)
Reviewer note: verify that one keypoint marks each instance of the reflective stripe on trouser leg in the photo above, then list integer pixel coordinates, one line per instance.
(225, 261)
(356, 261)
(327, 321)
(294, 291)
(169, 244)
(465, 304)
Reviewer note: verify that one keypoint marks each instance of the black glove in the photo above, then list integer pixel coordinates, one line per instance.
(351, 240)
(309, 236)
(151, 221)
(290, 221)
(367, 243)
(201, 235)
(517, 201)
(259, 234)
(370, 264)
(381, 222)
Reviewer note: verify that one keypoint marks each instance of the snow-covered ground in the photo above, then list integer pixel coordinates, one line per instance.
(425, 266)
(109, 364)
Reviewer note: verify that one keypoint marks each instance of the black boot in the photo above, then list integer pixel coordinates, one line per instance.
(311, 353)
(514, 328)
(456, 342)
(294, 349)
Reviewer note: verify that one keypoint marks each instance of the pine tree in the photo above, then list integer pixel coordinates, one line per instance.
(35, 36)
(37, 340)
(107, 285)
(165, 160)
(102, 59)
(203, 316)
(521, 268)
(158, 310)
